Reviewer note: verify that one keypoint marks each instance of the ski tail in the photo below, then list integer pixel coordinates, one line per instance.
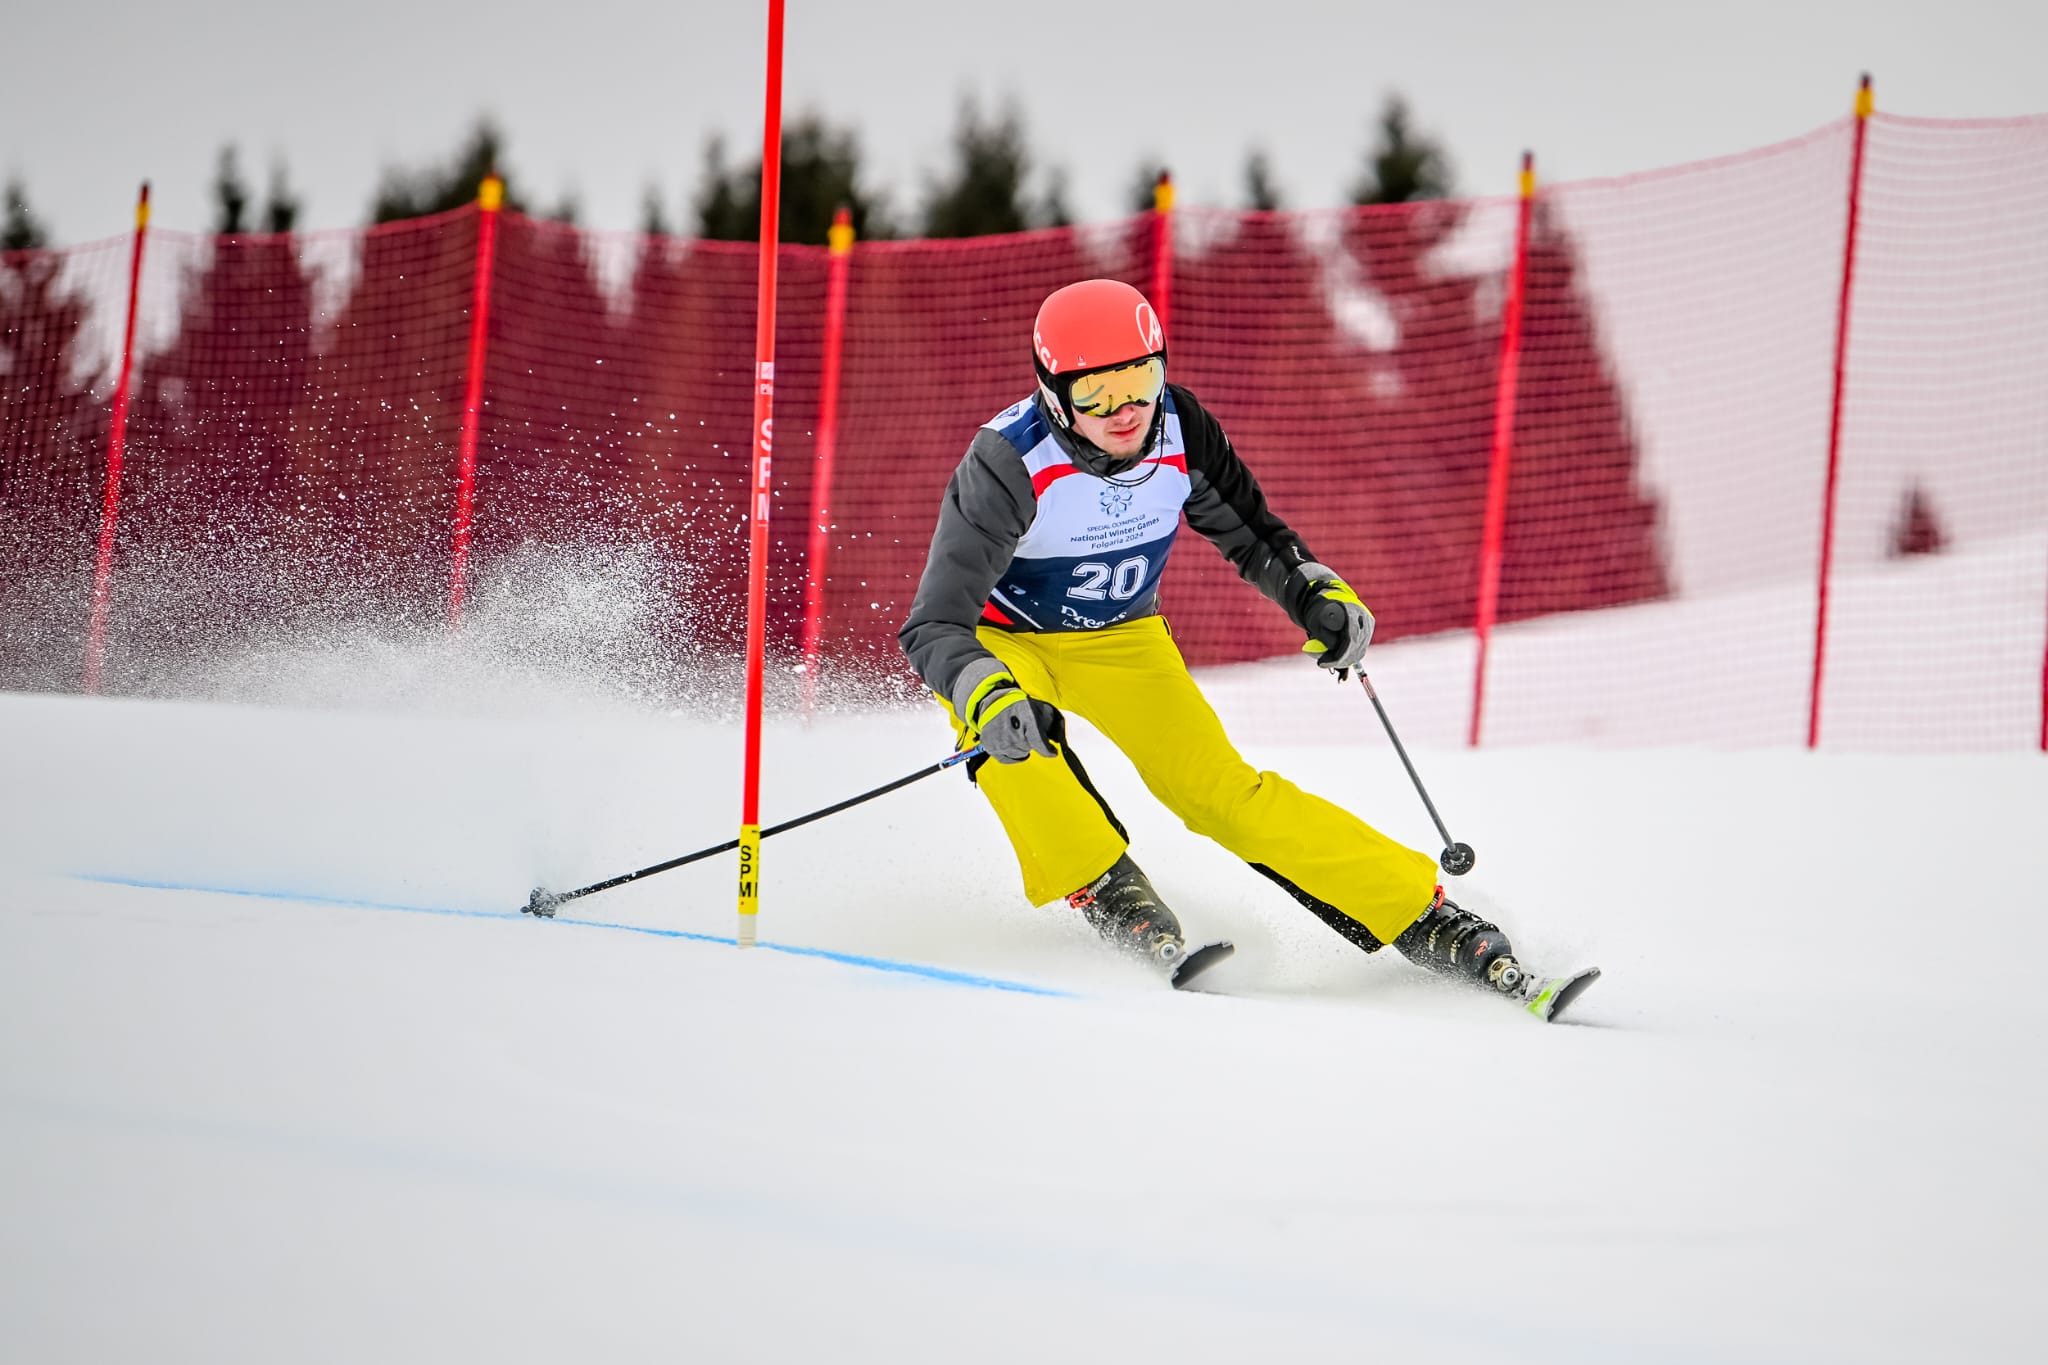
(1198, 960)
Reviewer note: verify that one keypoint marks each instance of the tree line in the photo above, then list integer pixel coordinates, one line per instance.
(324, 437)
(986, 187)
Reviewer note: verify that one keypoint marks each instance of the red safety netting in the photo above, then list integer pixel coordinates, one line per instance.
(1353, 357)
(1939, 603)
(55, 382)
(298, 408)
(1717, 289)
(56, 377)
(1713, 294)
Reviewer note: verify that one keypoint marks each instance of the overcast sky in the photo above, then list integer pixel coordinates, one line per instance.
(602, 98)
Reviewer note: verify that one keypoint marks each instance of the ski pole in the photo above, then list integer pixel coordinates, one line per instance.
(1457, 859)
(544, 902)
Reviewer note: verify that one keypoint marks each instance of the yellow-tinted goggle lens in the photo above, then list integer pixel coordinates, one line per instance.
(1101, 393)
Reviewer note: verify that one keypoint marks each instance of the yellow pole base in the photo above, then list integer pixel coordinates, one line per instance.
(750, 882)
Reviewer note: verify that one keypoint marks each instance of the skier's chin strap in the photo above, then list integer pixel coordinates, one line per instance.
(1093, 457)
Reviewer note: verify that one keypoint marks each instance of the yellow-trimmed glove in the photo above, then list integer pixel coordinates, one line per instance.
(1008, 724)
(1339, 625)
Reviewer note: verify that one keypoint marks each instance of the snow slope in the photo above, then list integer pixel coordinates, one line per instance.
(284, 1075)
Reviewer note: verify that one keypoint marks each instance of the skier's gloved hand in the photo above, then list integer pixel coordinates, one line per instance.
(1017, 726)
(1339, 625)
(1008, 724)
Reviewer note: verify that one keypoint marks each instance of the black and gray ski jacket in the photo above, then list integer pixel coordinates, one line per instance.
(1036, 533)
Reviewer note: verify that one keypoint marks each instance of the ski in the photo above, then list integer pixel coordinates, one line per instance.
(1198, 960)
(1547, 997)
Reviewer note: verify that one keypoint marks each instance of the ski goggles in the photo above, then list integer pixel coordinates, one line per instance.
(1102, 392)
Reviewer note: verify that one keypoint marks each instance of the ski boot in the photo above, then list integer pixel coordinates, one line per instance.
(1457, 943)
(1125, 910)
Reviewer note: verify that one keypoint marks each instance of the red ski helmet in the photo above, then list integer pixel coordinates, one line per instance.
(1097, 346)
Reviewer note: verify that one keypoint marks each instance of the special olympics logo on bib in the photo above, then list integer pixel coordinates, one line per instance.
(1115, 501)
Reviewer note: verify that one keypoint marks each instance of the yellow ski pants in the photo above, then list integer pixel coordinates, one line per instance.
(1130, 682)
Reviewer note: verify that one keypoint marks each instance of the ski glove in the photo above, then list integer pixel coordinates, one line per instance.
(1339, 625)
(1008, 724)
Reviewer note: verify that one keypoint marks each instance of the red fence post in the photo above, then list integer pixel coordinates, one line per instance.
(841, 240)
(757, 509)
(490, 198)
(1495, 531)
(1161, 292)
(117, 437)
(1827, 523)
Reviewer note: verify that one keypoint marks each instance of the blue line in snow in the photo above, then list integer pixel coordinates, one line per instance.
(879, 964)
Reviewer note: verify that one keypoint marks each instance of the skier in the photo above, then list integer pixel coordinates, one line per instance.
(1041, 595)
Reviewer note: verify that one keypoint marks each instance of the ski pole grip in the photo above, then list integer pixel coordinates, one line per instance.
(1326, 623)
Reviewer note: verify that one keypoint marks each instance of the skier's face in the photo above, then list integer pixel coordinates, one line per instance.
(1121, 433)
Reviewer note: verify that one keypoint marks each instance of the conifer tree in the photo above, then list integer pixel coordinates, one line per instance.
(654, 220)
(1052, 210)
(22, 231)
(984, 193)
(820, 172)
(405, 193)
(722, 198)
(233, 200)
(1261, 195)
(230, 195)
(1916, 530)
(281, 212)
(1404, 165)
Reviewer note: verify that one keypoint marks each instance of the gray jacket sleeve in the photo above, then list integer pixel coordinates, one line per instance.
(988, 507)
(1226, 504)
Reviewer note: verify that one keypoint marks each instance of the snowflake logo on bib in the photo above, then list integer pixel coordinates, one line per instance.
(1115, 501)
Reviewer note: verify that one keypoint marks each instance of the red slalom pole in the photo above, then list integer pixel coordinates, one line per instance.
(117, 439)
(490, 198)
(1495, 532)
(1162, 248)
(1864, 104)
(764, 445)
(841, 240)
